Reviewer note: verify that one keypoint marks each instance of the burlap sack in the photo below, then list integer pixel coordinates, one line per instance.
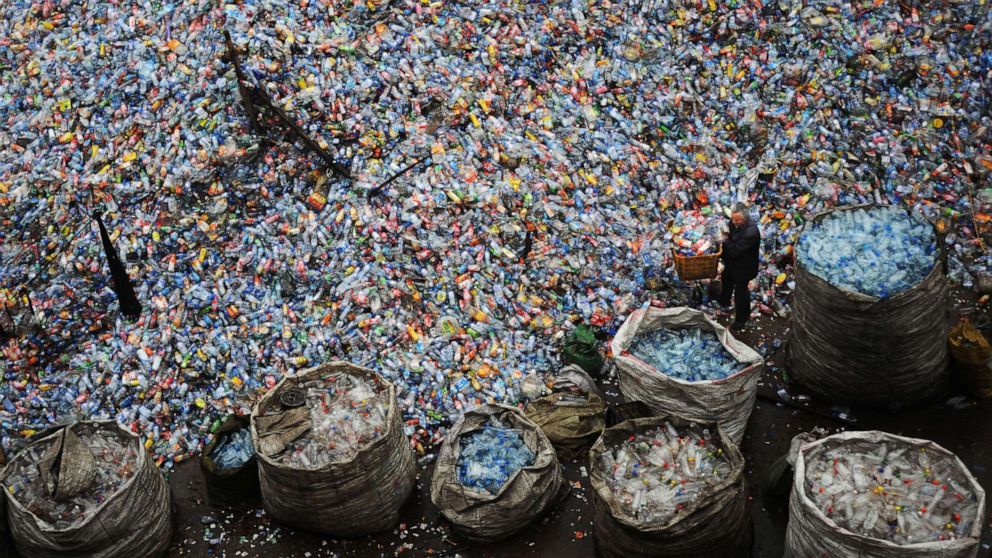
(134, 521)
(813, 535)
(530, 492)
(728, 401)
(715, 524)
(355, 497)
(972, 356)
(228, 486)
(571, 421)
(854, 349)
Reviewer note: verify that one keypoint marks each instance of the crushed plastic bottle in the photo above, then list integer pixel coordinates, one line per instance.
(879, 252)
(692, 355)
(657, 474)
(489, 456)
(894, 492)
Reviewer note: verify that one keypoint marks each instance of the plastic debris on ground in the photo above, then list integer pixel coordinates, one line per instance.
(346, 414)
(559, 139)
(897, 493)
(115, 459)
(658, 474)
(880, 251)
(692, 355)
(233, 450)
(488, 457)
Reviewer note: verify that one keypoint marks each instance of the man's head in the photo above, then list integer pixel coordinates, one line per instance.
(738, 214)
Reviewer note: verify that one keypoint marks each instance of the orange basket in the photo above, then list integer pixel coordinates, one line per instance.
(695, 268)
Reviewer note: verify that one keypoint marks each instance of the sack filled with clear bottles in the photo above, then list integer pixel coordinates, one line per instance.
(668, 486)
(679, 360)
(869, 320)
(89, 489)
(570, 411)
(877, 494)
(496, 473)
(332, 455)
(228, 461)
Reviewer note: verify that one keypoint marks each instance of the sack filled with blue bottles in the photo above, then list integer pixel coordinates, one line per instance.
(869, 312)
(679, 360)
(877, 251)
(692, 355)
(228, 461)
(496, 473)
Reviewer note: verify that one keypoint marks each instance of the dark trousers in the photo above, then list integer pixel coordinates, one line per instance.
(742, 297)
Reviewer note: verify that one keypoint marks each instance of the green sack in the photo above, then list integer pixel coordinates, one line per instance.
(582, 349)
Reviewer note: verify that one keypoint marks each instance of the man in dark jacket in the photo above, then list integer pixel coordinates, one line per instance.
(740, 264)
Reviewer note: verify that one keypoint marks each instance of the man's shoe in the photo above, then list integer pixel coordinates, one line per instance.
(738, 326)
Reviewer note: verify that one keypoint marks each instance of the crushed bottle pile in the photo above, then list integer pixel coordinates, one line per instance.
(116, 460)
(894, 492)
(489, 456)
(346, 414)
(233, 450)
(560, 138)
(879, 252)
(691, 355)
(658, 474)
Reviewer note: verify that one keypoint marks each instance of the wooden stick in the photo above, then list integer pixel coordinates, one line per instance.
(243, 91)
(378, 189)
(252, 95)
(311, 145)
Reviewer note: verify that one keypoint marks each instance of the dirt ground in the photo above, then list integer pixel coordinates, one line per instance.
(959, 423)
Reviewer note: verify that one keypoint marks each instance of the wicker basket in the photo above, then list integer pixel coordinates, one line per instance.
(695, 268)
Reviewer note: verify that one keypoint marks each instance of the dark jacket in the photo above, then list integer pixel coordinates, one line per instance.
(740, 252)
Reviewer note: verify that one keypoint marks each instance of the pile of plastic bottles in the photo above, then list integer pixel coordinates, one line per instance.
(233, 450)
(346, 414)
(116, 459)
(880, 251)
(657, 474)
(692, 355)
(894, 492)
(560, 140)
(489, 456)
(694, 233)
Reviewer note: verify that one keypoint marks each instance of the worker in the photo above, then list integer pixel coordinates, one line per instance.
(740, 264)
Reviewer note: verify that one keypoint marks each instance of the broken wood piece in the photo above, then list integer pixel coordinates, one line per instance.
(378, 189)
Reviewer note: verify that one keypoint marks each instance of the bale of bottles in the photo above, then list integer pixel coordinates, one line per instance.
(332, 457)
(876, 494)
(495, 474)
(228, 461)
(668, 486)
(870, 308)
(572, 415)
(680, 361)
(89, 489)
